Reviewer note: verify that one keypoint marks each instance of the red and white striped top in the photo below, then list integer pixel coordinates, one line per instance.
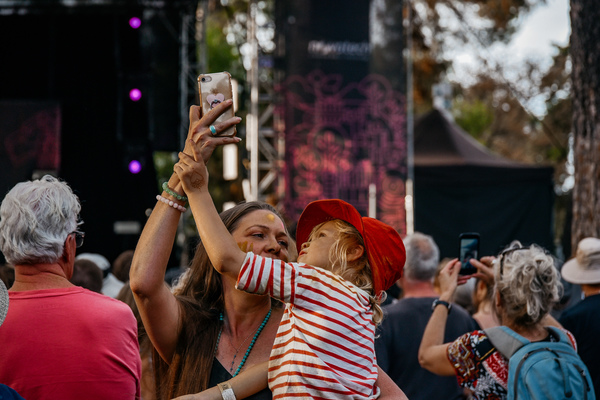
(324, 346)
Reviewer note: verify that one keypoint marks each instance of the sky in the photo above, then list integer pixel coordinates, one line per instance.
(546, 24)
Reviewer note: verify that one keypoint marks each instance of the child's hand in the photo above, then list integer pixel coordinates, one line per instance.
(192, 171)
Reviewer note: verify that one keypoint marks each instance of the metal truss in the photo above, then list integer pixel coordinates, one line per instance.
(265, 145)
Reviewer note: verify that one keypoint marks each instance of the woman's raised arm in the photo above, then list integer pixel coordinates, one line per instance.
(157, 305)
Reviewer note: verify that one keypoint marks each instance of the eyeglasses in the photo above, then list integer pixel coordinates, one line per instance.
(78, 238)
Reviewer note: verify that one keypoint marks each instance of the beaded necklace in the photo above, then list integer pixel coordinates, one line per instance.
(258, 331)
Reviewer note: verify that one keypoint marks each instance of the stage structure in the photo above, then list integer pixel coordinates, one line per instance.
(89, 90)
(342, 105)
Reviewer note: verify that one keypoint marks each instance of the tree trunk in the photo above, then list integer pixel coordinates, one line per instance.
(585, 56)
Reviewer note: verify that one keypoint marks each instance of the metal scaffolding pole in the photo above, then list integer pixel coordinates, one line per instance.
(192, 60)
(263, 145)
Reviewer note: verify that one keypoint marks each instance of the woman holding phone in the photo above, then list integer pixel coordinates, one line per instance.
(205, 314)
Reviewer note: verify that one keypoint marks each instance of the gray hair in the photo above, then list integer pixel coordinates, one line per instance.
(528, 283)
(422, 257)
(35, 219)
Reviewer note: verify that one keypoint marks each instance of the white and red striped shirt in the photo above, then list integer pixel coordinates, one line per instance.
(324, 347)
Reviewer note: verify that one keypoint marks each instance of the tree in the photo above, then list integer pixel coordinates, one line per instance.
(585, 54)
(439, 27)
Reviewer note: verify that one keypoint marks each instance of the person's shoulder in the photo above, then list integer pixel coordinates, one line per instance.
(460, 312)
(106, 303)
(584, 307)
(409, 305)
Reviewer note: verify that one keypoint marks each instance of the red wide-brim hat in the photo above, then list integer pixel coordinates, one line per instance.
(383, 245)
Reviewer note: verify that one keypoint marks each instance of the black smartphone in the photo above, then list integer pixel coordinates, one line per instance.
(468, 248)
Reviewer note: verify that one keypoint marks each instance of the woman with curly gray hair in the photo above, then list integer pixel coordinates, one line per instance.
(526, 286)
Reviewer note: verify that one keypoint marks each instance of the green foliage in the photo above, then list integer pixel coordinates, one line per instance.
(163, 163)
(474, 117)
(222, 56)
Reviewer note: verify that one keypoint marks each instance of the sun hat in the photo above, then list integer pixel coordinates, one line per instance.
(3, 302)
(585, 267)
(383, 245)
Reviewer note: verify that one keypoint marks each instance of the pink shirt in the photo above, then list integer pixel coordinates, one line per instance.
(69, 343)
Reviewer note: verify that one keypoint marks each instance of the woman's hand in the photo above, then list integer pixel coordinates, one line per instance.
(199, 130)
(449, 279)
(485, 269)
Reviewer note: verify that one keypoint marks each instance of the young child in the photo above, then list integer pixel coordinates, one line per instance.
(324, 346)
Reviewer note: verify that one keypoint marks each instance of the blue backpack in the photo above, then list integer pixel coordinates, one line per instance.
(542, 370)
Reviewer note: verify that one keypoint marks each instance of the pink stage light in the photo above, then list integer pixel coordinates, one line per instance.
(135, 22)
(135, 167)
(135, 94)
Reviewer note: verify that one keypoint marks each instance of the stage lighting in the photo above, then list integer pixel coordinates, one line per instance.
(135, 22)
(135, 94)
(135, 167)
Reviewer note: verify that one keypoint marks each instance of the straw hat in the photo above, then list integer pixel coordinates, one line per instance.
(585, 267)
(3, 302)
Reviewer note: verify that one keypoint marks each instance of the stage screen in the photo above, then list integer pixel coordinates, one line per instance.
(343, 108)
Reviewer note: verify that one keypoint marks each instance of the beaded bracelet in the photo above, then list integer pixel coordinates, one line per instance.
(171, 203)
(167, 189)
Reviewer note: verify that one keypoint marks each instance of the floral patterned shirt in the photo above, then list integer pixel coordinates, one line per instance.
(479, 366)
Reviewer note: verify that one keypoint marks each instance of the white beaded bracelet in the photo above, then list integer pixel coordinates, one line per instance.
(171, 203)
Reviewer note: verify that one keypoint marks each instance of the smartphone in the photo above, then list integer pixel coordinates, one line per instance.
(214, 89)
(468, 248)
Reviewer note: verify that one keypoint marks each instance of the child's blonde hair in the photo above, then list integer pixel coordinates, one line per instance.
(358, 271)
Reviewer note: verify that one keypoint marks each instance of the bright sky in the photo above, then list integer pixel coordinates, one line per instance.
(546, 24)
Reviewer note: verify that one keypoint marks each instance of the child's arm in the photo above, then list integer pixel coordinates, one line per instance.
(389, 389)
(249, 382)
(223, 251)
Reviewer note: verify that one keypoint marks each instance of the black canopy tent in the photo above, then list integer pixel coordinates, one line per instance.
(459, 186)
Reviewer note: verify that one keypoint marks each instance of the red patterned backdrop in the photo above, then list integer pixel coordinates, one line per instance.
(342, 137)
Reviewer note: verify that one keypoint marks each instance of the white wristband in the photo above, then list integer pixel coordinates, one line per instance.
(226, 391)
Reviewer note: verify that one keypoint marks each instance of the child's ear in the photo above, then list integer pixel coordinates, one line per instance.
(355, 253)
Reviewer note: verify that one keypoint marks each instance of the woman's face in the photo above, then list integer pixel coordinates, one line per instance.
(263, 233)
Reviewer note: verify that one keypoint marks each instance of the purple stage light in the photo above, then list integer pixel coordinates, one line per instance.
(135, 167)
(135, 22)
(135, 94)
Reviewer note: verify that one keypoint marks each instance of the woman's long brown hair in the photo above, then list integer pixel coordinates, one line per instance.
(200, 299)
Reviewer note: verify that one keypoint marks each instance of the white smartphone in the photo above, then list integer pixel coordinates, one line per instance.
(214, 89)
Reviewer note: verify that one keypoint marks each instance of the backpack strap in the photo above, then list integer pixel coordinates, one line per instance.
(505, 340)
(559, 334)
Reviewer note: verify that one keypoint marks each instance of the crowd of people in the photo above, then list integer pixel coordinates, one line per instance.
(259, 315)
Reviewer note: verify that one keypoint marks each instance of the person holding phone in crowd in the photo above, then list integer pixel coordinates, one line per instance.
(205, 331)
(324, 344)
(526, 285)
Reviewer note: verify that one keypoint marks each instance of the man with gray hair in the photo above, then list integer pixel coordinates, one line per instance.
(405, 320)
(59, 341)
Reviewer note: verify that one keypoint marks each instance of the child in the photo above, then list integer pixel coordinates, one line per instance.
(324, 345)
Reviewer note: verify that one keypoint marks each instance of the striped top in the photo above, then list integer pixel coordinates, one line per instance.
(324, 347)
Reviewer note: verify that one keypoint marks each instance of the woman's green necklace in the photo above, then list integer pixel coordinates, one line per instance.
(258, 331)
